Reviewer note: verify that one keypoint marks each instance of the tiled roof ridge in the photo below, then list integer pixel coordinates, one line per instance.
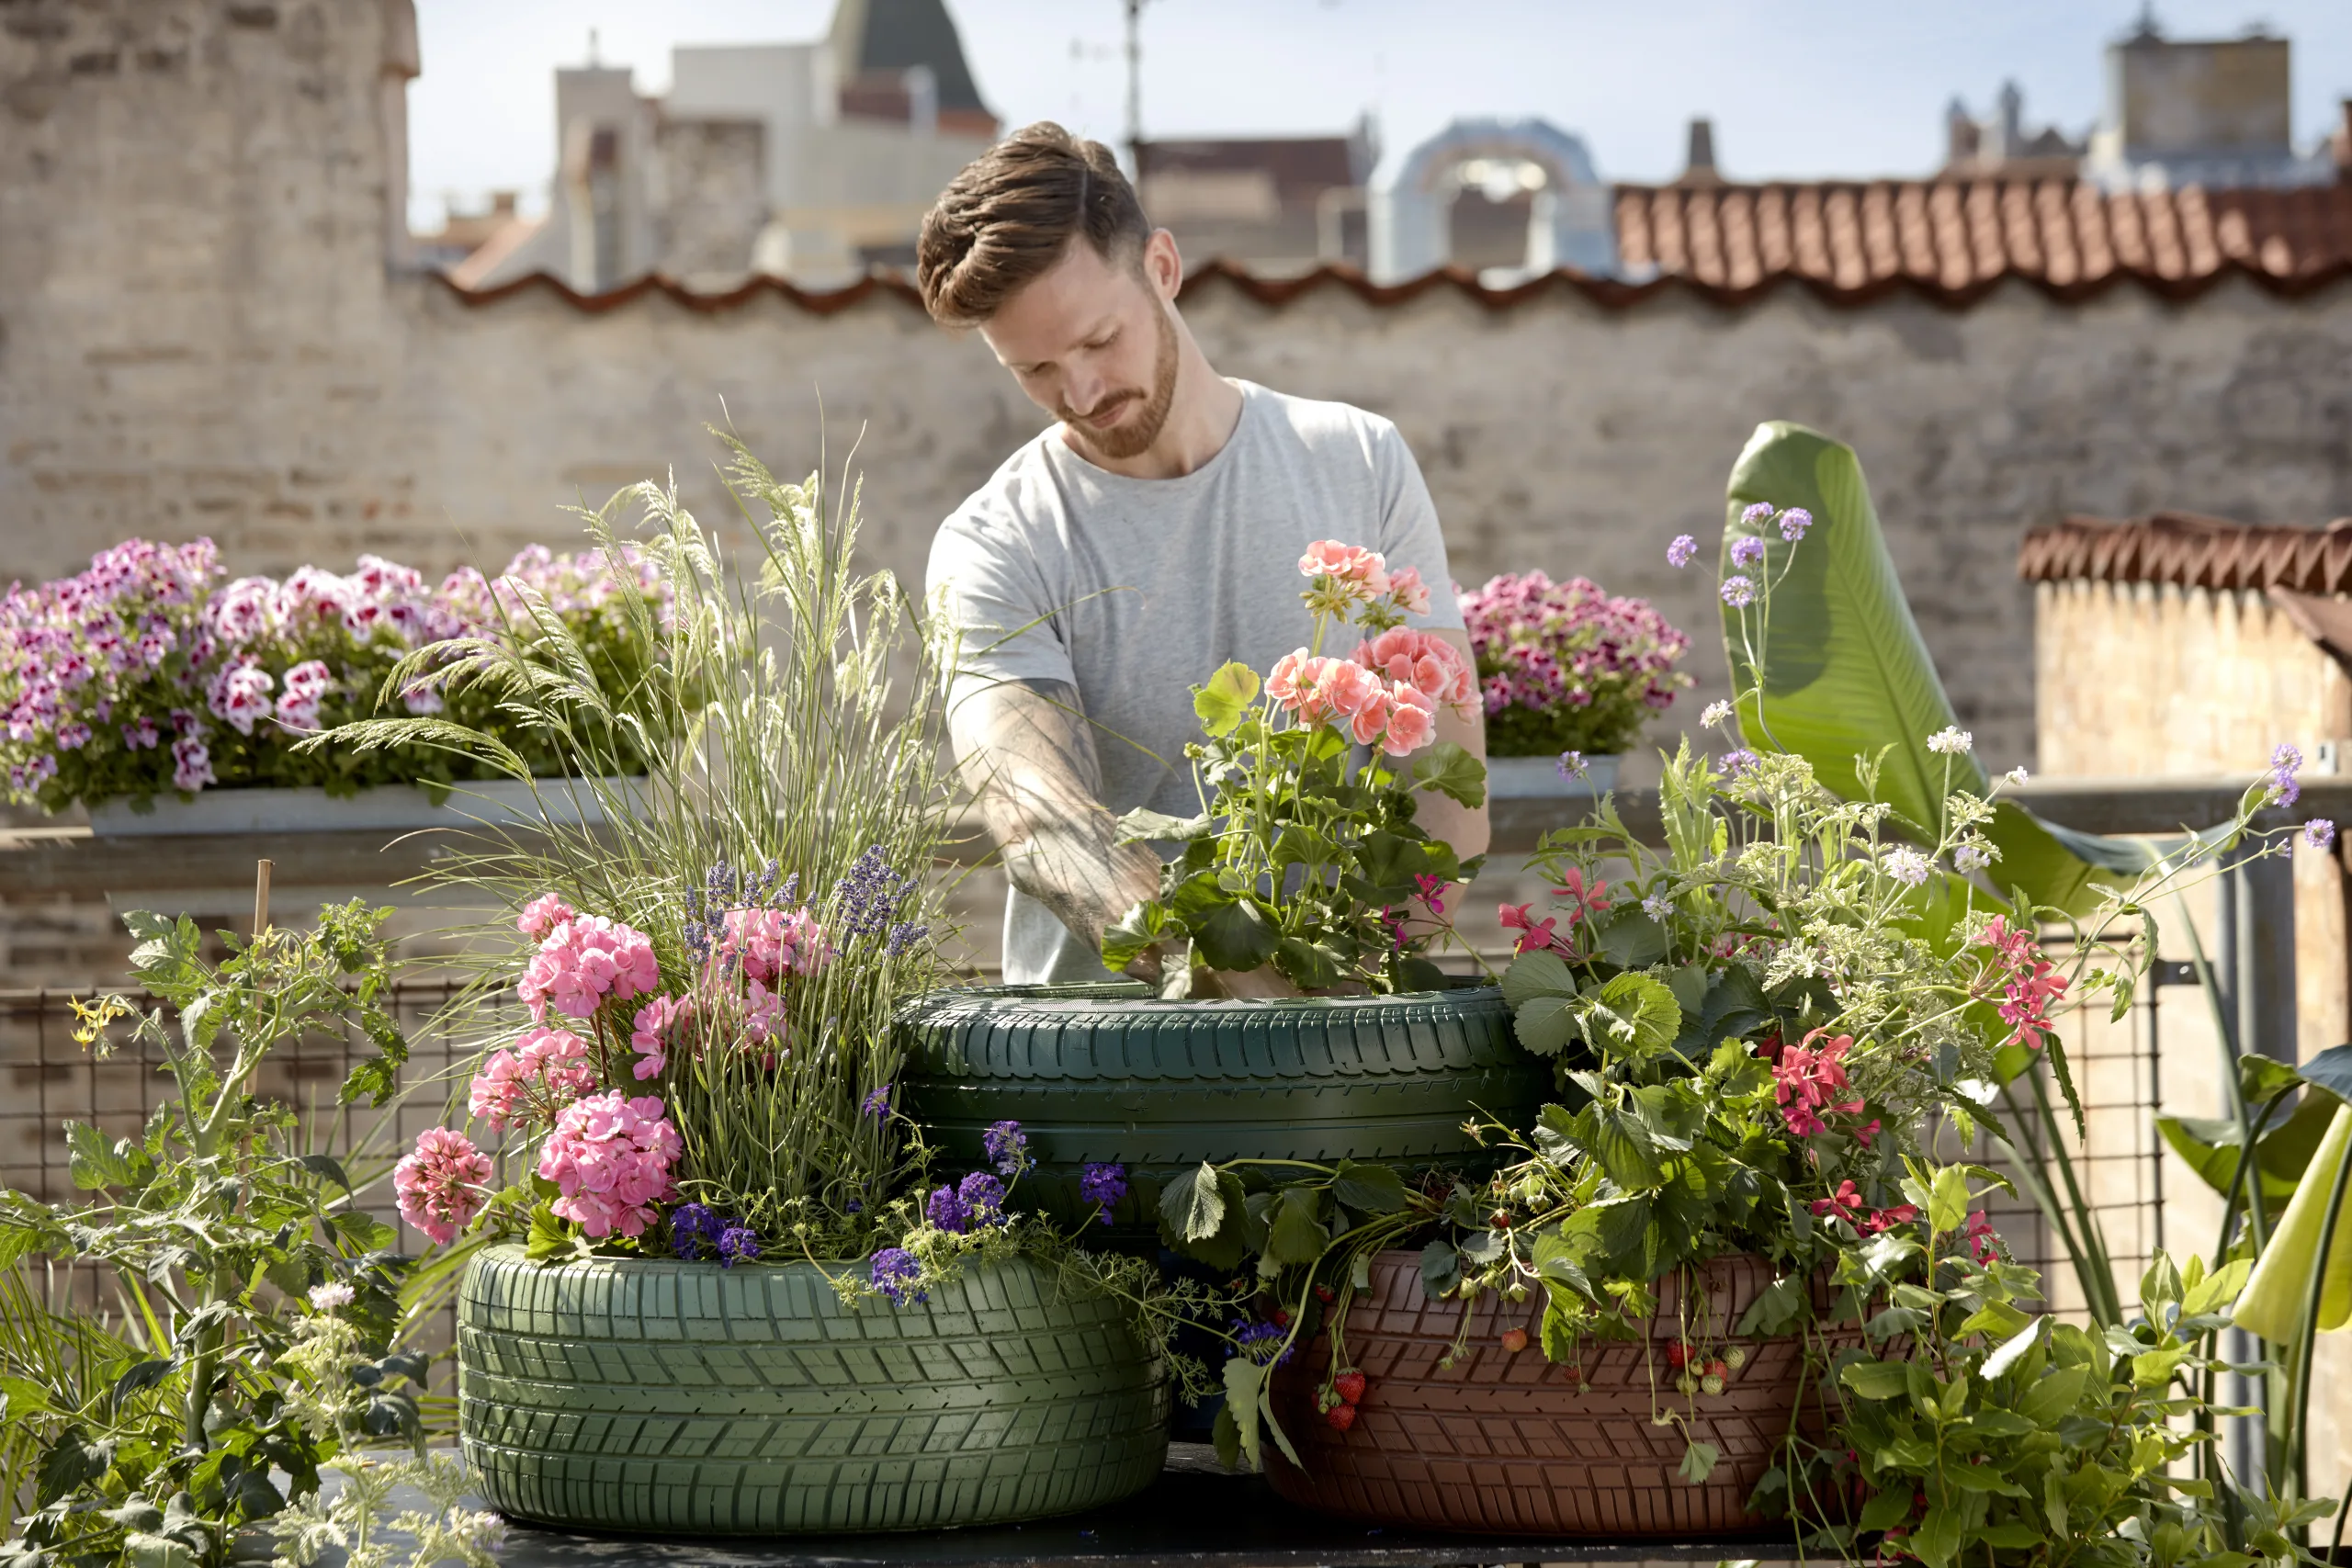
(2191, 551)
(1608, 293)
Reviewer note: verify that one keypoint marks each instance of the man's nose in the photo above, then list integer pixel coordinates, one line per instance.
(1083, 389)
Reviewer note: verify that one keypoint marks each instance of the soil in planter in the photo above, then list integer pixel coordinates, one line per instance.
(656, 1395)
(1109, 1074)
(1508, 1442)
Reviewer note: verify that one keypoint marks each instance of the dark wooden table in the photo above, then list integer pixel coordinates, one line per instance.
(1196, 1516)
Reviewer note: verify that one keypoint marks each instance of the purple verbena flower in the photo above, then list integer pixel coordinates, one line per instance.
(737, 1244)
(1682, 552)
(1793, 523)
(1747, 551)
(1103, 1186)
(1571, 765)
(692, 1227)
(1739, 761)
(948, 1210)
(895, 1273)
(2284, 788)
(1755, 513)
(2318, 832)
(982, 1196)
(1006, 1146)
(1739, 593)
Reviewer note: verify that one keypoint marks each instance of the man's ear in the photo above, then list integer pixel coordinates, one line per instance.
(1163, 266)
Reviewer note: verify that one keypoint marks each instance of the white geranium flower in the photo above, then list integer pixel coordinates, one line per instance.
(1951, 741)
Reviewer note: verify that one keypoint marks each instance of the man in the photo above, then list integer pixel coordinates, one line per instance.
(1123, 554)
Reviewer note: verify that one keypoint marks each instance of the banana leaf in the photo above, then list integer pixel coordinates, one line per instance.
(1845, 672)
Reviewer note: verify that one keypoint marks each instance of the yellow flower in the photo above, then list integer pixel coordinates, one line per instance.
(94, 1018)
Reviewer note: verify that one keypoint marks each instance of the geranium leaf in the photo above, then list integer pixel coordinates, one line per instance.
(1235, 936)
(1224, 701)
(1450, 771)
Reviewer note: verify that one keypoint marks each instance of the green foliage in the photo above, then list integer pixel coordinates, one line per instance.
(1305, 855)
(1830, 665)
(158, 1433)
(791, 718)
(1973, 1430)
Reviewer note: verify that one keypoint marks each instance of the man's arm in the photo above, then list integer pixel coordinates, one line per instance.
(1027, 755)
(1466, 828)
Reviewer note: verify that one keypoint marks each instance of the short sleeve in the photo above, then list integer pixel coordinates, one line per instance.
(1409, 532)
(992, 593)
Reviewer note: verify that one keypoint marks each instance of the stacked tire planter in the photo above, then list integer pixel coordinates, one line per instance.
(1108, 1073)
(1508, 1442)
(655, 1395)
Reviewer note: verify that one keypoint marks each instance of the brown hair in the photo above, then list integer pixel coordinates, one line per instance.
(1010, 215)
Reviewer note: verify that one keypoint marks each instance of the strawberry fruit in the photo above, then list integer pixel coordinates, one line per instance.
(1349, 1386)
(1514, 1340)
(1340, 1417)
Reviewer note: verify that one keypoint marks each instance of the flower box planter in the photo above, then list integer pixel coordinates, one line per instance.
(502, 803)
(1539, 778)
(654, 1396)
(1109, 1073)
(1505, 1442)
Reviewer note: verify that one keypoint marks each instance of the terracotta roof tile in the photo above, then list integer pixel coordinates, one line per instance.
(1850, 242)
(1960, 236)
(2184, 548)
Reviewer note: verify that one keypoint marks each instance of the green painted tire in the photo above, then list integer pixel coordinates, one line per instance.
(658, 1396)
(1099, 1074)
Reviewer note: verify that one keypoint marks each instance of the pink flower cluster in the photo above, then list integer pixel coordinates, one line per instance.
(1544, 646)
(1351, 581)
(1424, 661)
(94, 668)
(610, 1157)
(584, 961)
(771, 943)
(1807, 1082)
(547, 1070)
(441, 1184)
(1847, 1203)
(2031, 986)
(1399, 718)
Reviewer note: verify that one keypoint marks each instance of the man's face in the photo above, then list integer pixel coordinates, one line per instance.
(1092, 341)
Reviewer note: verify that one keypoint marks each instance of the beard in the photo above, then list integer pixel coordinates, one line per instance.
(1133, 437)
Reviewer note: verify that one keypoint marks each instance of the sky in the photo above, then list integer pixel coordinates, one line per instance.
(1796, 88)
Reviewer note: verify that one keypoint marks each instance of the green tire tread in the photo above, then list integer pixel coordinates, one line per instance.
(657, 1395)
(1159, 1086)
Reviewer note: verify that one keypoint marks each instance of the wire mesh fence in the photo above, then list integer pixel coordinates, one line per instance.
(51, 1080)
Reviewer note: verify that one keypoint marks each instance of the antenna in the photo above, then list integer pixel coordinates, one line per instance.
(1134, 87)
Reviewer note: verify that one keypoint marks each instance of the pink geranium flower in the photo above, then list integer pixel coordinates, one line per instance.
(1411, 723)
(1425, 661)
(1366, 569)
(655, 1029)
(441, 1184)
(611, 1158)
(542, 915)
(583, 962)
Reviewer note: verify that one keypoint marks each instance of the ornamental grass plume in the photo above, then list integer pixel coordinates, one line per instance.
(729, 925)
(1568, 667)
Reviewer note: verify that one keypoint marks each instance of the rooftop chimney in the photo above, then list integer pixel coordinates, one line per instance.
(1699, 166)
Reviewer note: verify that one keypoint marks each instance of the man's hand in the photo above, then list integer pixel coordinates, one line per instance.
(1028, 757)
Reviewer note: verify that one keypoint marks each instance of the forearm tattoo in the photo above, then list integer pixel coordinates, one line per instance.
(1027, 754)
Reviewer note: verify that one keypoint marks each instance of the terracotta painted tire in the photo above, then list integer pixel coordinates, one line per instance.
(1105, 1074)
(1509, 1443)
(651, 1394)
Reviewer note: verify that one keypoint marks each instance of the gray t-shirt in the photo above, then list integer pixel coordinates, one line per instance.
(1134, 590)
